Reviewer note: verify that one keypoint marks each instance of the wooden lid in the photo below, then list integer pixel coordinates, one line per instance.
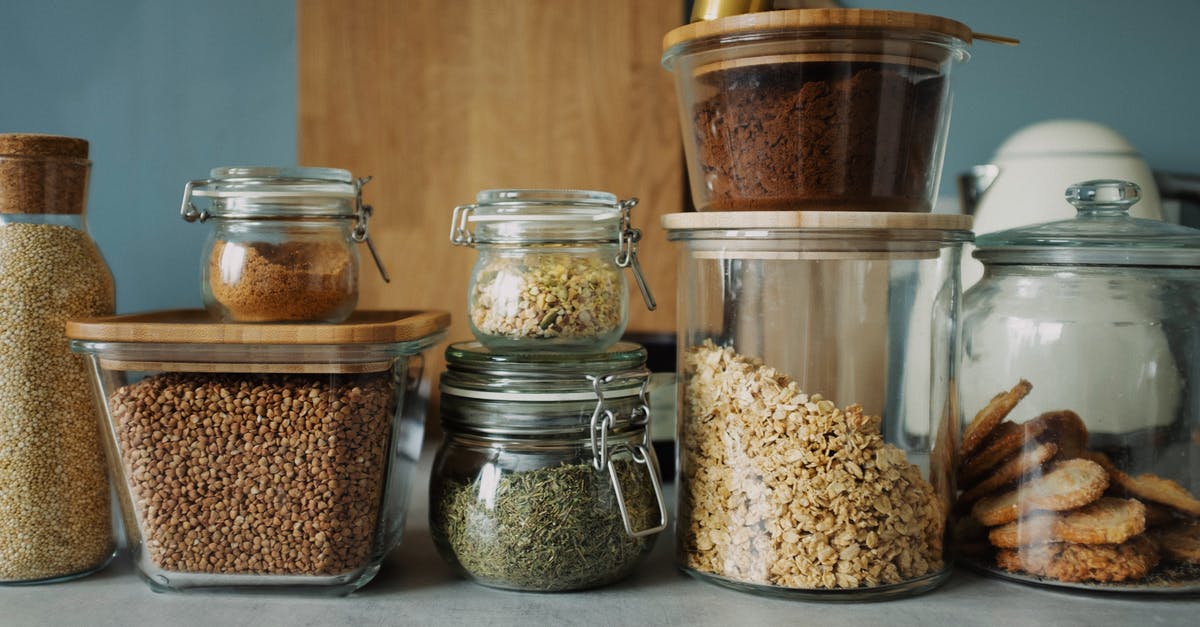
(191, 326)
(815, 220)
(46, 146)
(774, 21)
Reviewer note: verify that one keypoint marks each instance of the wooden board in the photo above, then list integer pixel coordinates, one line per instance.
(439, 100)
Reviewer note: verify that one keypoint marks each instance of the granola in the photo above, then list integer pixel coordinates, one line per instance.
(783, 488)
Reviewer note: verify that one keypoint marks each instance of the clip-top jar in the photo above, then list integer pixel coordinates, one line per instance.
(55, 513)
(283, 244)
(1080, 353)
(546, 479)
(548, 276)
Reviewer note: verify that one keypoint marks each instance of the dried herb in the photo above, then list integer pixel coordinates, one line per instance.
(556, 528)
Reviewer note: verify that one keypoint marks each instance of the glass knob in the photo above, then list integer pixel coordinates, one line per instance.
(1104, 197)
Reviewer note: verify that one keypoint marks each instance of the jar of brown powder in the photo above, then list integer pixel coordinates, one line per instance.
(840, 109)
(283, 244)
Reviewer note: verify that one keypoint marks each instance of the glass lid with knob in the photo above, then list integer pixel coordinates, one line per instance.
(1101, 233)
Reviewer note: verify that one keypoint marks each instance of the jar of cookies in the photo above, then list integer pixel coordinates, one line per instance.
(817, 399)
(283, 243)
(1081, 465)
(549, 275)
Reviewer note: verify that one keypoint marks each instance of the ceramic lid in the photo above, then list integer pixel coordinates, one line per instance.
(1101, 233)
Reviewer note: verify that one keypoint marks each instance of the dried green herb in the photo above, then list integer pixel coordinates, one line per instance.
(556, 528)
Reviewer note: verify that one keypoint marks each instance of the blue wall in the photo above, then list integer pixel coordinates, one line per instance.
(167, 89)
(164, 90)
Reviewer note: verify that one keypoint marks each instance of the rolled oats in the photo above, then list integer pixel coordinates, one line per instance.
(783, 488)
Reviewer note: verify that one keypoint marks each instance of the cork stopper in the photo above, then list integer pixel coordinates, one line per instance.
(43, 174)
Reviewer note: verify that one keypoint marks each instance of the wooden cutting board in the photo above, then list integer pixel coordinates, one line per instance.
(438, 100)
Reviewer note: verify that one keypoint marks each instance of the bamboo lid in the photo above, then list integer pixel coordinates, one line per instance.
(196, 327)
(799, 19)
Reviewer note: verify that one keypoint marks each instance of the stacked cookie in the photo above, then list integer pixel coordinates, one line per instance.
(1036, 500)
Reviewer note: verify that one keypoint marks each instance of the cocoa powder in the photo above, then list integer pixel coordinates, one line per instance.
(827, 135)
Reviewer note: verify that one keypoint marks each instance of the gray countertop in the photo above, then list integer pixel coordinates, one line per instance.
(416, 587)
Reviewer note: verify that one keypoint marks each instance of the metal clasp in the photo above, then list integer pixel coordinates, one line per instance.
(627, 240)
(460, 234)
(362, 212)
(187, 208)
(602, 422)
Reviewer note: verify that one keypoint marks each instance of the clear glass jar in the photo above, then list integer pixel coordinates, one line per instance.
(545, 479)
(283, 244)
(817, 400)
(548, 276)
(1081, 467)
(260, 458)
(55, 509)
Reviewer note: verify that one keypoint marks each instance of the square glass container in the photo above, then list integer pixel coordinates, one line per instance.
(815, 109)
(260, 456)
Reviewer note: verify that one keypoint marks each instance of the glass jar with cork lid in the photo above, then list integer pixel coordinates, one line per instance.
(545, 479)
(55, 510)
(283, 244)
(549, 272)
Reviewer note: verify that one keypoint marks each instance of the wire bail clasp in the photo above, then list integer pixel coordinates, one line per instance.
(362, 213)
(627, 241)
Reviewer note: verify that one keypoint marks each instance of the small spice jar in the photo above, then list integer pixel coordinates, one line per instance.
(817, 400)
(1081, 350)
(548, 276)
(545, 479)
(283, 244)
(55, 509)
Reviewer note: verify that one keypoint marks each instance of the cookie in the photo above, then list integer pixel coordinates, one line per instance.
(1006, 439)
(1066, 485)
(1148, 487)
(1066, 429)
(1106, 521)
(1180, 543)
(1157, 515)
(1014, 468)
(991, 415)
(1065, 561)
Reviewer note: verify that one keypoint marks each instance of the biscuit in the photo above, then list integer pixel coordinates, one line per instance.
(1067, 485)
(1148, 487)
(1180, 543)
(1106, 521)
(1157, 515)
(1014, 468)
(1006, 439)
(991, 415)
(1066, 429)
(1065, 561)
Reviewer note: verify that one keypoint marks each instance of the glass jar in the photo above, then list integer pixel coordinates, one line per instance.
(1081, 467)
(260, 457)
(55, 510)
(548, 276)
(836, 109)
(283, 244)
(545, 479)
(817, 400)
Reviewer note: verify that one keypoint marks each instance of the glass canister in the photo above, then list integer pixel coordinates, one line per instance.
(549, 272)
(829, 109)
(545, 479)
(55, 511)
(1081, 466)
(817, 399)
(282, 248)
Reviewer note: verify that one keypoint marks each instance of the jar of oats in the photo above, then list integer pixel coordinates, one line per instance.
(545, 479)
(283, 244)
(818, 405)
(549, 273)
(55, 515)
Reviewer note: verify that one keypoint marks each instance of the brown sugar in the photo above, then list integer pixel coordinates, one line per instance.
(293, 281)
(830, 135)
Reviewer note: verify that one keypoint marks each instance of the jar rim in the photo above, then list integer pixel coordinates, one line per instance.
(274, 191)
